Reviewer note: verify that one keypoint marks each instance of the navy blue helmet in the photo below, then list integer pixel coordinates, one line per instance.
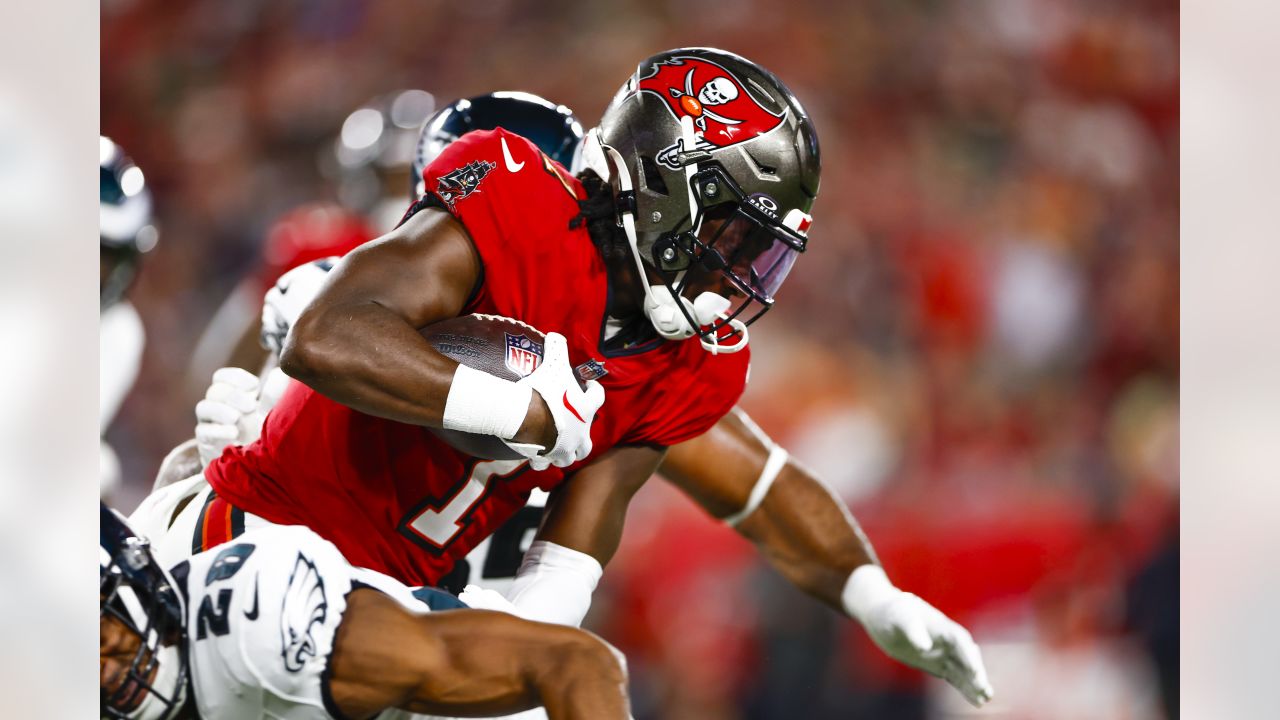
(136, 591)
(553, 128)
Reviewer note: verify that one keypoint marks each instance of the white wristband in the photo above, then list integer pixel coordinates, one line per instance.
(555, 584)
(772, 466)
(866, 588)
(486, 405)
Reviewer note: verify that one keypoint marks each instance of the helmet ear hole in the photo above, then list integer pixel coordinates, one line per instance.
(653, 176)
(668, 257)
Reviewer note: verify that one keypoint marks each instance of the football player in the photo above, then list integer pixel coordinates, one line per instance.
(642, 278)
(125, 233)
(732, 471)
(804, 531)
(277, 625)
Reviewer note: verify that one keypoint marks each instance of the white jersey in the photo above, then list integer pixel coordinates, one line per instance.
(120, 342)
(262, 614)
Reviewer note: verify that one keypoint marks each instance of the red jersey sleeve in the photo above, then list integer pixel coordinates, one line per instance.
(515, 204)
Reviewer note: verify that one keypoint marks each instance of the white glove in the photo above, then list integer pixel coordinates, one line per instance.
(285, 301)
(914, 632)
(478, 598)
(229, 414)
(572, 408)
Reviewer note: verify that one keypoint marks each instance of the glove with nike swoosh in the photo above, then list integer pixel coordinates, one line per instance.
(572, 407)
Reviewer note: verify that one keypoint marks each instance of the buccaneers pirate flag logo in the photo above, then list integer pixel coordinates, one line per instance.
(463, 181)
(723, 112)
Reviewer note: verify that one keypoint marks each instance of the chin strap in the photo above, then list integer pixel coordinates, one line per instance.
(663, 308)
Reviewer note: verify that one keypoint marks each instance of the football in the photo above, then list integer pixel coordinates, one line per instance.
(499, 346)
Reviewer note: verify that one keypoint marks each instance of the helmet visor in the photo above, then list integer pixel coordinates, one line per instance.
(741, 237)
(737, 246)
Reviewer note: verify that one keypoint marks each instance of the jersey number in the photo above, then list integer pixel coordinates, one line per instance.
(214, 618)
(434, 523)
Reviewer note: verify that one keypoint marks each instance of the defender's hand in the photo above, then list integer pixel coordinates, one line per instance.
(572, 408)
(229, 414)
(914, 632)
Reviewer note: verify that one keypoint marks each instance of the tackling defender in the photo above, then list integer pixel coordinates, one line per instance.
(276, 624)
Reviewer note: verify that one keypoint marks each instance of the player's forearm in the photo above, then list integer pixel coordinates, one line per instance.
(370, 359)
(808, 535)
(498, 664)
(583, 680)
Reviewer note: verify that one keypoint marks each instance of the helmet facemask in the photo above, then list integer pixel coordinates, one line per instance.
(137, 594)
(736, 247)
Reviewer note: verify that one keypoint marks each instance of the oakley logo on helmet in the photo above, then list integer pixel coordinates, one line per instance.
(723, 112)
(462, 182)
(764, 204)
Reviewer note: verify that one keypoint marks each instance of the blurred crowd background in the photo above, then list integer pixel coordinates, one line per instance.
(979, 352)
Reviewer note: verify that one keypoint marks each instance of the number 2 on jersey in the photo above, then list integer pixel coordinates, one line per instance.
(434, 523)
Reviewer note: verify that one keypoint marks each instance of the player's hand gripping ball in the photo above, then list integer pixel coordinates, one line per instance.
(512, 350)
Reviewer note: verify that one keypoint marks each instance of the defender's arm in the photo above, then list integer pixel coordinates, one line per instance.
(469, 662)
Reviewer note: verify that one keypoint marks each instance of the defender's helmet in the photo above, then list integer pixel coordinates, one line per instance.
(553, 128)
(713, 142)
(137, 592)
(125, 227)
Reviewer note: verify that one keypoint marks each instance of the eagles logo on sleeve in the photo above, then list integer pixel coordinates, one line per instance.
(460, 183)
(305, 606)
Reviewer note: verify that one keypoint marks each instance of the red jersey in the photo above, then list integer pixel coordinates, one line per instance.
(391, 495)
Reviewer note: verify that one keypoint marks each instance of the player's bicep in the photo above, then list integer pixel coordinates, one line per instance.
(423, 271)
(587, 512)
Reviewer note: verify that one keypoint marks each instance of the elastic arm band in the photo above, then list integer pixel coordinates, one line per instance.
(773, 466)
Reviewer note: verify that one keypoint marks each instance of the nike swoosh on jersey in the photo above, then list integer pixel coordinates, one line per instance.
(575, 412)
(252, 613)
(512, 165)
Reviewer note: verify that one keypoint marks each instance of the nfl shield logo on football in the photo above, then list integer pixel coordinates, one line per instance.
(523, 355)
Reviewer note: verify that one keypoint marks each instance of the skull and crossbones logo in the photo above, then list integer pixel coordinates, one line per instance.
(716, 91)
